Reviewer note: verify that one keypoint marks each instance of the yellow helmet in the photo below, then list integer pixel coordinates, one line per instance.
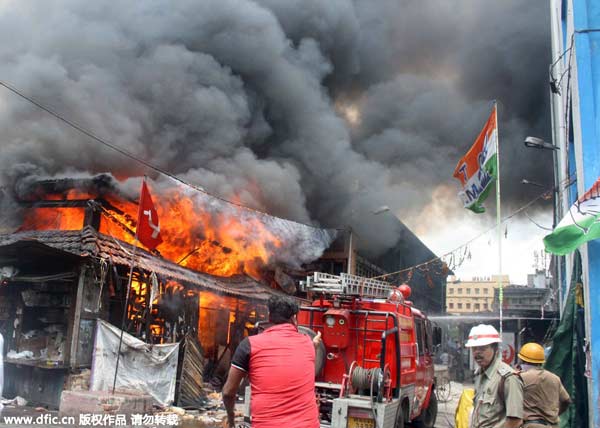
(532, 353)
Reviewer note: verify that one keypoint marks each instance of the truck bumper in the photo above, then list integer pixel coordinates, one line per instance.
(359, 412)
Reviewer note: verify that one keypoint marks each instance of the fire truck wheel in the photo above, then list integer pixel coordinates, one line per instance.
(427, 418)
(319, 352)
(400, 417)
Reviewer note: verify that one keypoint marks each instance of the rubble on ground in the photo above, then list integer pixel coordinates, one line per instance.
(210, 414)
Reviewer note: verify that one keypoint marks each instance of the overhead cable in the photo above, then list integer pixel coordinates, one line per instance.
(566, 182)
(132, 156)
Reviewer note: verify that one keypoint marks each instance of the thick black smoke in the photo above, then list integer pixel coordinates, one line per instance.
(316, 111)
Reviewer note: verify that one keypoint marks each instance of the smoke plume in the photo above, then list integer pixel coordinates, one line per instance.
(315, 111)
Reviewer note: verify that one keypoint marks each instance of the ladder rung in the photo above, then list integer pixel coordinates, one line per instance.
(367, 330)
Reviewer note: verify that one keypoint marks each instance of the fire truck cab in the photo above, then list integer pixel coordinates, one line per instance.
(375, 364)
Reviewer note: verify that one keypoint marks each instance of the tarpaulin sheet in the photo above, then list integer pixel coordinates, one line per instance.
(147, 368)
(567, 357)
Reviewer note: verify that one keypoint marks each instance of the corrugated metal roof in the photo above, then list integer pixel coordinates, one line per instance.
(87, 242)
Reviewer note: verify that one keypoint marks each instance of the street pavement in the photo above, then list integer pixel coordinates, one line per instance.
(445, 418)
(447, 409)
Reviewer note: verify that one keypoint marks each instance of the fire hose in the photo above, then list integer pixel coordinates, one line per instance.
(366, 379)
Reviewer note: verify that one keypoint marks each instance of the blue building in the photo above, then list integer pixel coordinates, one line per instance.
(575, 94)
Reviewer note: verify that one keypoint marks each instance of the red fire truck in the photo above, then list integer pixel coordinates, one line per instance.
(375, 364)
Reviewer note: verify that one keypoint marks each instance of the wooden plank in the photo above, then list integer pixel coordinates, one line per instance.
(191, 378)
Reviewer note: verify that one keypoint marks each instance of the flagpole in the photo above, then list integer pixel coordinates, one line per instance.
(124, 317)
(125, 312)
(498, 219)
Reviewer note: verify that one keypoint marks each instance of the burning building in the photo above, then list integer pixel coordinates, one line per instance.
(68, 262)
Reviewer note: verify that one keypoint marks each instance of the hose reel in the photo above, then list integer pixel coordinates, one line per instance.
(319, 351)
(373, 382)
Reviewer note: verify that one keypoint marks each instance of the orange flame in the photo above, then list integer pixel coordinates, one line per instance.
(70, 218)
(53, 218)
(217, 243)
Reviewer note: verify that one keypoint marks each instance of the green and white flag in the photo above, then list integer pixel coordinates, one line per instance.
(580, 225)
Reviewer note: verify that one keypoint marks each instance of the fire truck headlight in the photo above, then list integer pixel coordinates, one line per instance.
(330, 321)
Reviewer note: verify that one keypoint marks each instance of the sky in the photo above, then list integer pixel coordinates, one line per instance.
(311, 111)
(521, 239)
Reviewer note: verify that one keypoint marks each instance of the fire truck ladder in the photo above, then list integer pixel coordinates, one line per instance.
(379, 326)
(376, 322)
(346, 284)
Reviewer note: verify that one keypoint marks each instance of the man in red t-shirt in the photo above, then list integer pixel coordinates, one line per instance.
(280, 363)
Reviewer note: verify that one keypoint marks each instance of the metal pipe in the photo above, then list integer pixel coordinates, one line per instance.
(384, 336)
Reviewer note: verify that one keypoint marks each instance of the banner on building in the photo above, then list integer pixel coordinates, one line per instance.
(507, 348)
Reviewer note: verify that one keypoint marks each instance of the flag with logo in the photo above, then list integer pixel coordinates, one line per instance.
(148, 229)
(580, 225)
(477, 169)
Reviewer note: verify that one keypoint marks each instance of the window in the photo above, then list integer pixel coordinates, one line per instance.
(477, 306)
(485, 291)
(419, 331)
(468, 306)
(428, 337)
(459, 305)
(468, 291)
(460, 291)
(451, 290)
(477, 291)
(451, 305)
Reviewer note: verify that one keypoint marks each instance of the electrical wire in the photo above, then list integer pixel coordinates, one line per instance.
(557, 82)
(587, 30)
(536, 223)
(134, 157)
(567, 115)
(566, 182)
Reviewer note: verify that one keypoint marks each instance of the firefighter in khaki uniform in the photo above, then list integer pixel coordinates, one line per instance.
(544, 396)
(498, 401)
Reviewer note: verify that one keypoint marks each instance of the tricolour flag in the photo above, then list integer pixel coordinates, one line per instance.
(148, 230)
(580, 225)
(477, 169)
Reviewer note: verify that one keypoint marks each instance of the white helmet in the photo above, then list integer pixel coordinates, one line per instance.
(481, 335)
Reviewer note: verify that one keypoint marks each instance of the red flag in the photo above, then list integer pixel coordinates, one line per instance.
(148, 230)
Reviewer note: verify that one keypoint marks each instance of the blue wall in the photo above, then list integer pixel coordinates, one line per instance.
(586, 15)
